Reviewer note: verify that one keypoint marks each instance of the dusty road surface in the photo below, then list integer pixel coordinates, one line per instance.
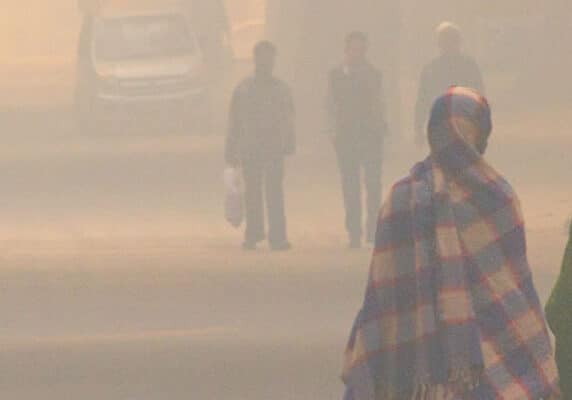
(120, 280)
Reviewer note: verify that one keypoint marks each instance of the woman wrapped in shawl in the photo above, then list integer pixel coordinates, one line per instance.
(450, 310)
(559, 313)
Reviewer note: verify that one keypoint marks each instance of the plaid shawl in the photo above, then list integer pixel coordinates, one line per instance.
(450, 310)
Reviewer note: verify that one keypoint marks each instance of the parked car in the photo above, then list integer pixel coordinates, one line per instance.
(141, 69)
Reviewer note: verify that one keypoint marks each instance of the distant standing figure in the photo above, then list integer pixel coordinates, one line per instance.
(261, 133)
(560, 320)
(451, 68)
(356, 123)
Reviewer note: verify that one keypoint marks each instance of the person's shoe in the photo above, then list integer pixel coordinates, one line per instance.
(249, 246)
(285, 246)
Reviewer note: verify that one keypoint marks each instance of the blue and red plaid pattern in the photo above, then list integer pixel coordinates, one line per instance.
(450, 310)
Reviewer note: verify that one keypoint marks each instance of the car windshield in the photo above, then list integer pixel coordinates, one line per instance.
(142, 37)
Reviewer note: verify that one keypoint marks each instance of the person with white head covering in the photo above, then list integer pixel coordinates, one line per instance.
(451, 68)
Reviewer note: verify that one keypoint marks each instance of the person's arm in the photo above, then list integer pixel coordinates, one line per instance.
(477, 78)
(330, 109)
(234, 134)
(558, 309)
(421, 107)
(380, 106)
(289, 123)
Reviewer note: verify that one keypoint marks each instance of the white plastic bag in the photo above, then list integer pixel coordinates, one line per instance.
(233, 203)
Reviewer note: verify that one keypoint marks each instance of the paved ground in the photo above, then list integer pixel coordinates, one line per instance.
(120, 280)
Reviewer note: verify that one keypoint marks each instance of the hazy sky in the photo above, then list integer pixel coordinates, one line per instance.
(46, 30)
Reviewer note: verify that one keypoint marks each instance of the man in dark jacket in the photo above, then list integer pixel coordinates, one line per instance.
(451, 68)
(357, 126)
(261, 133)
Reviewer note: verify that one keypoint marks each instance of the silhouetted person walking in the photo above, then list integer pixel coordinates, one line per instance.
(451, 68)
(261, 133)
(357, 126)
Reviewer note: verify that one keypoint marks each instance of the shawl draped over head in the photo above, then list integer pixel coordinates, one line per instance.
(450, 310)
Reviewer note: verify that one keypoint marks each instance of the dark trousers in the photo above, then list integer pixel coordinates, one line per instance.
(264, 179)
(352, 161)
